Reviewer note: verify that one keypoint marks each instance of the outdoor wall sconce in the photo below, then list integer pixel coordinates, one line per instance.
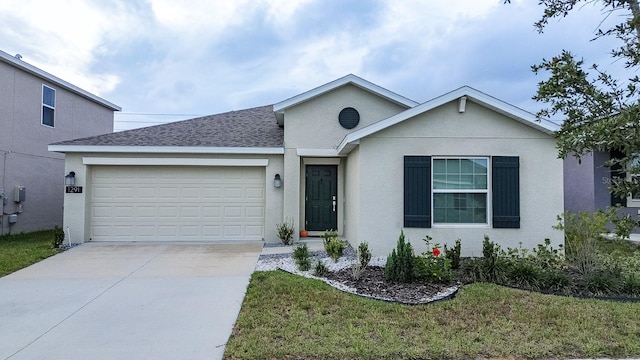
(70, 179)
(277, 181)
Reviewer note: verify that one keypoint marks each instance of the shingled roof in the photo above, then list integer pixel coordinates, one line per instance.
(256, 127)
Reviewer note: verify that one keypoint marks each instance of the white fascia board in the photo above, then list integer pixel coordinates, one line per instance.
(349, 79)
(173, 161)
(317, 152)
(165, 149)
(12, 60)
(485, 100)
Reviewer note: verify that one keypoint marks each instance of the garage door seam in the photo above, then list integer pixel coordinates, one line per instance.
(86, 304)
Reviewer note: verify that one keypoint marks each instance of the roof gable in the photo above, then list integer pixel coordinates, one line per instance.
(501, 107)
(16, 62)
(280, 107)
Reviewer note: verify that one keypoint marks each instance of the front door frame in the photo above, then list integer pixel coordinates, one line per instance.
(329, 201)
(337, 161)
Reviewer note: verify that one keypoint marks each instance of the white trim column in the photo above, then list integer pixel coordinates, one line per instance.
(291, 187)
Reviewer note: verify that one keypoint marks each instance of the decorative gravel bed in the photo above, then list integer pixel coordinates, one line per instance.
(371, 283)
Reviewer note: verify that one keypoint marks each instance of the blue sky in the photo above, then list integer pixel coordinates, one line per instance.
(166, 60)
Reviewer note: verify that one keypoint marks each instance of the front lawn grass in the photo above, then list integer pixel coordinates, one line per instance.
(22, 250)
(292, 317)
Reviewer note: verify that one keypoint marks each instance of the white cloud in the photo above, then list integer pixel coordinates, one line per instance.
(62, 37)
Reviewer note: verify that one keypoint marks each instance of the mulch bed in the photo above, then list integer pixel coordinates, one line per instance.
(373, 284)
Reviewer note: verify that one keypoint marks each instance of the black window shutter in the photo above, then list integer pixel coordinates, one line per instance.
(506, 192)
(417, 191)
(616, 171)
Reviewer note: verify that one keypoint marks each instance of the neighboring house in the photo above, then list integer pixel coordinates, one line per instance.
(36, 109)
(587, 182)
(348, 155)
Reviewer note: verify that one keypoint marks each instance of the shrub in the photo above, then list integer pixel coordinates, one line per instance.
(582, 234)
(623, 224)
(523, 273)
(555, 280)
(492, 265)
(333, 245)
(453, 254)
(631, 285)
(320, 269)
(285, 231)
(364, 254)
(548, 257)
(301, 256)
(58, 237)
(401, 262)
(433, 267)
(602, 283)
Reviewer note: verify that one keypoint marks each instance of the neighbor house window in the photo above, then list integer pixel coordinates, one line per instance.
(48, 105)
(455, 191)
(460, 190)
(634, 199)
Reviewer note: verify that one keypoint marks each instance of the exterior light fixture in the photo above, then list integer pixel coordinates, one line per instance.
(277, 181)
(70, 179)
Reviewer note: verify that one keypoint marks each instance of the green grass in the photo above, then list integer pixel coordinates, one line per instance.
(291, 317)
(22, 250)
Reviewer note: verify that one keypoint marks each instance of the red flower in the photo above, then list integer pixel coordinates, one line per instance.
(436, 252)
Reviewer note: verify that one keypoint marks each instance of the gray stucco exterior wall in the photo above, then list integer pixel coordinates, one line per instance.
(586, 185)
(24, 157)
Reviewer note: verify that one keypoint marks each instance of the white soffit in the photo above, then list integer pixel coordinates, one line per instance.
(173, 161)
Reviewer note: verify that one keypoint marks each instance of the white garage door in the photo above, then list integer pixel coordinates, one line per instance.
(177, 203)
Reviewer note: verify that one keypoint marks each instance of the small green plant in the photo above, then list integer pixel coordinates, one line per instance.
(400, 264)
(58, 237)
(320, 269)
(285, 231)
(364, 254)
(333, 245)
(301, 257)
(329, 235)
(357, 270)
(453, 254)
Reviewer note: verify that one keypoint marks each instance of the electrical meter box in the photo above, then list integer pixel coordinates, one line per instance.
(20, 194)
(13, 218)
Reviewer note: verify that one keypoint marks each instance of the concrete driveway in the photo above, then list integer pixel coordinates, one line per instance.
(126, 301)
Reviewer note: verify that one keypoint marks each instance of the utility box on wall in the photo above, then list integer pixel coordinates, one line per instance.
(20, 194)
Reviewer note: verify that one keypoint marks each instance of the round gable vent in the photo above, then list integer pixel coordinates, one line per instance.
(349, 118)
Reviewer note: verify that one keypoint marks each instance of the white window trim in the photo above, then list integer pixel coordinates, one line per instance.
(487, 224)
(48, 106)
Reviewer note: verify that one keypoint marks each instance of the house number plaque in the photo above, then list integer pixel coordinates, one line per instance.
(73, 190)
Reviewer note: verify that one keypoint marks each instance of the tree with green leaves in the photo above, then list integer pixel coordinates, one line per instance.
(599, 111)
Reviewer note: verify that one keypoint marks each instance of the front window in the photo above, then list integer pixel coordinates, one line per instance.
(48, 105)
(460, 190)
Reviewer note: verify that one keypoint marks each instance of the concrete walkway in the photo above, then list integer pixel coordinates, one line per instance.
(126, 301)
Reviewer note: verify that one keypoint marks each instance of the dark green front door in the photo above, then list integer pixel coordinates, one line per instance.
(321, 209)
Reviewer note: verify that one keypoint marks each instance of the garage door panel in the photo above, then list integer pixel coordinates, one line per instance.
(255, 194)
(211, 231)
(254, 212)
(177, 203)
